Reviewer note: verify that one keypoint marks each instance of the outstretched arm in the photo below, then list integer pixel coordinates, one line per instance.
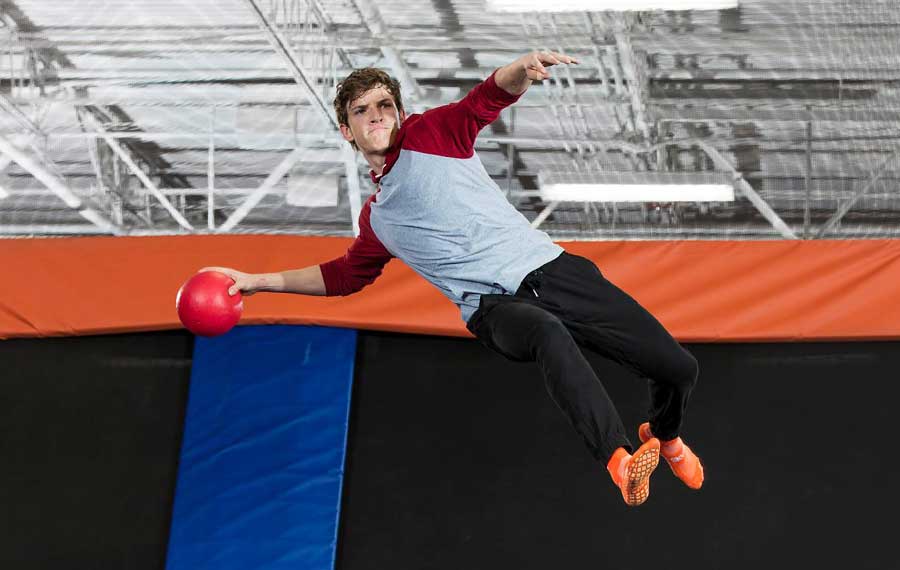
(455, 126)
(516, 77)
(344, 275)
(306, 281)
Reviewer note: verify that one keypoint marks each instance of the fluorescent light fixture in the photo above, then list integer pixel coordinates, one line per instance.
(638, 193)
(635, 187)
(606, 5)
(3, 193)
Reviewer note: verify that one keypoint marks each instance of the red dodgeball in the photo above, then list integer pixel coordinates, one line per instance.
(204, 305)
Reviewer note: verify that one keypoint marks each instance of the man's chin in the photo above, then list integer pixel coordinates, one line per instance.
(380, 149)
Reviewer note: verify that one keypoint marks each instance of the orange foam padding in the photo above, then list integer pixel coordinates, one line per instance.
(700, 290)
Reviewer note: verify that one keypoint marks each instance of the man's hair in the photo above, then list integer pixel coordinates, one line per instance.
(356, 84)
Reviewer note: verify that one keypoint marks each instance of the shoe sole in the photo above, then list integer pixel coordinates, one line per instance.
(637, 476)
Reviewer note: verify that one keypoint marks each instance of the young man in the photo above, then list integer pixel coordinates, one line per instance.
(437, 209)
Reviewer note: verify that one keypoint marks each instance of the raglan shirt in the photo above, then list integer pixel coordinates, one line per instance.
(437, 209)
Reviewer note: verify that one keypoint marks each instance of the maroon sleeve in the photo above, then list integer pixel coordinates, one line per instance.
(454, 127)
(362, 263)
(485, 101)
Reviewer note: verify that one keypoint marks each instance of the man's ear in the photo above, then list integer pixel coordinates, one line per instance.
(347, 134)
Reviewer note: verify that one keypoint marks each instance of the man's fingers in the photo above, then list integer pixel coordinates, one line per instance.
(542, 60)
(562, 58)
(552, 58)
(536, 69)
(537, 75)
(237, 286)
(242, 288)
(225, 270)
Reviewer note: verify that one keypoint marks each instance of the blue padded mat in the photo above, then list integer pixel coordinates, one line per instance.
(262, 459)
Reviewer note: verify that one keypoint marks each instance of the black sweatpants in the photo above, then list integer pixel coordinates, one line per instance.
(568, 303)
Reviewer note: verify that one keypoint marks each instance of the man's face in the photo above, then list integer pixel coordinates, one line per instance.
(372, 119)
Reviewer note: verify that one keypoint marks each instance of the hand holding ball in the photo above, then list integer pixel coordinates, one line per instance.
(204, 305)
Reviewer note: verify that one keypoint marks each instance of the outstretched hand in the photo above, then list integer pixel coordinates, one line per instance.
(243, 282)
(537, 62)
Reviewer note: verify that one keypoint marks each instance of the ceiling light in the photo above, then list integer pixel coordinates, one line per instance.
(606, 5)
(635, 187)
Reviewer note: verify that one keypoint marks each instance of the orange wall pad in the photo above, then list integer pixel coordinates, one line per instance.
(700, 290)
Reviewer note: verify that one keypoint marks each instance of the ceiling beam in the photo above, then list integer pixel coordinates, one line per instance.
(846, 206)
(372, 19)
(125, 156)
(254, 197)
(762, 111)
(635, 82)
(58, 186)
(280, 45)
(761, 205)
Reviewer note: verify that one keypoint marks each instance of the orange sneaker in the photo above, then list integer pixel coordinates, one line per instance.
(683, 462)
(631, 473)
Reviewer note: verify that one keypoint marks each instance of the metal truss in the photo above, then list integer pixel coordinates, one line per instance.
(277, 23)
(720, 162)
(371, 18)
(281, 45)
(33, 71)
(132, 174)
(485, 141)
(635, 76)
(57, 186)
(31, 77)
(126, 157)
(623, 79)
(741, 184)
(254, 198)
(848, 204)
